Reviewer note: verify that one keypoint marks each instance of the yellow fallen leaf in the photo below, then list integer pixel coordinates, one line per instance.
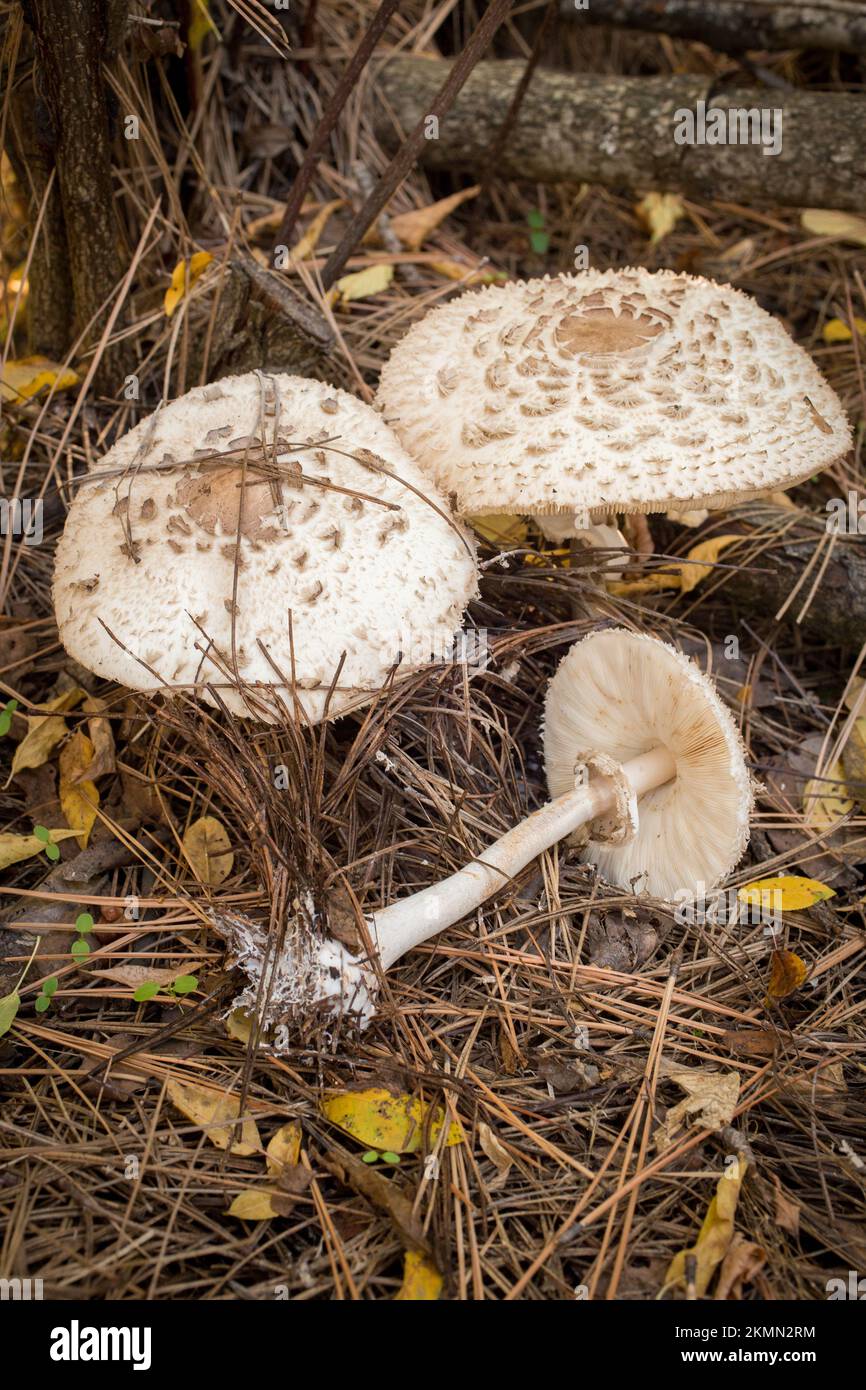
(852, 695)
(825, 222)
(700, 560)
(200, 25)
(854, 762)
(43, 734)
(14, 848)
(208, 849)
(422, 1282)
(470, 275)
(837, 331)
(215, 1112)
(183, 277)
(715, 1234)
(255, 1204)
(499, 529)
(102, 738)
(284, 1149)
(363, 283)
(380, 1120)
(790, 893)
(306, 245)
(79, 798)
(649, 584)
(660, 213)
(825, 799)
(239, 1025)
(413, 228)
(24, 377)
(787, 973)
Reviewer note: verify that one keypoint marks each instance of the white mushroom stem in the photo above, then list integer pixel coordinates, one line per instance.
(405, 924)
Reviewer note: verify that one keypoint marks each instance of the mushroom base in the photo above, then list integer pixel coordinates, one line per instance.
(310, 978)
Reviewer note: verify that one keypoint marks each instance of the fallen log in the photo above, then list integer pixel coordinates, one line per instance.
(734, 26)
(835, 613)
(623, 132)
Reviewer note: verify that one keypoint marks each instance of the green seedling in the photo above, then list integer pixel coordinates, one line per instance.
(6, 716)
(539, 239)
(43, 1000)
(184, 984)
(83, 925)
(374, 1156)
(43, 834)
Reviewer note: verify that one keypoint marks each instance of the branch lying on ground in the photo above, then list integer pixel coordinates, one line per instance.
(736, 25)
(619, 131)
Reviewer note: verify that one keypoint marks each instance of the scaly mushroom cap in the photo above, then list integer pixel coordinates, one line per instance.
(609, 391)
(193, 540)
(617, 694)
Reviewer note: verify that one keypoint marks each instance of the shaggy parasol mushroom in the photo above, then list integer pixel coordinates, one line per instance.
(245, 537)
(642, 758)
(579, 397)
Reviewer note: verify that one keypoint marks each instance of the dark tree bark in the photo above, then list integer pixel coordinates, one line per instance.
(837, 611)
(72, 42)
(734, 26)
(619, 131)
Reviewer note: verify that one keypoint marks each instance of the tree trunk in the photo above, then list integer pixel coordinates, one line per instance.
(619, 131)
(736, 25)
(72, 43)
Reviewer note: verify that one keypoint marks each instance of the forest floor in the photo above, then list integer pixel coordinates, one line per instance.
(535, 1025)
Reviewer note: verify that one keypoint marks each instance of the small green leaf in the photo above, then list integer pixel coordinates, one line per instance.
(389, 1157)
(43, 1002)
(9, 1007)
(146, 991)
(80, 949)
(371, 1156)
(42, 833)
(49, 986)
(52, 852)
(539, 241)
(84, 922)
(5, 723)
(535, 218)
(185, 984)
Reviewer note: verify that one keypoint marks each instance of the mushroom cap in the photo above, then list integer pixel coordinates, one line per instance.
(608, 391)
(157, 586)
(617, 694)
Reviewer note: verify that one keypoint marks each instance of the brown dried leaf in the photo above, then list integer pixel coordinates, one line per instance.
(208, 849)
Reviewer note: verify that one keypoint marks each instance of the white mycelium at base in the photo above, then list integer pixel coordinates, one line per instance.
(306, 976)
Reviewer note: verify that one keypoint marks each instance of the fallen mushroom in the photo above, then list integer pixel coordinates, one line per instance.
(579, 397)
(247, 539)
(646, 769)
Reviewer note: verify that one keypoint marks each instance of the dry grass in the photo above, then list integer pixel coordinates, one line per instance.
(548, 1018)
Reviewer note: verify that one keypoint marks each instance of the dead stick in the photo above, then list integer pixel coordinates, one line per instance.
(415, 142)
(330, 116)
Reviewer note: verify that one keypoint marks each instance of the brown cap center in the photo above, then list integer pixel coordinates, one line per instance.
(596, 329)
(213, 500)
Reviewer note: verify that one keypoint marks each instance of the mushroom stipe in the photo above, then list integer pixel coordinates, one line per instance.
(646, 767)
